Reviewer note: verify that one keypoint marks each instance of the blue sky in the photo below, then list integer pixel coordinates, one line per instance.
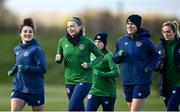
(166, 7)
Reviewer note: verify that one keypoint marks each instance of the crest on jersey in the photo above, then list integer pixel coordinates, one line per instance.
(126, 43)
(17, 53)
(138, 44)
(66, 45)
(26, 53)
(81, 46)
(179, 51)
(159, 52)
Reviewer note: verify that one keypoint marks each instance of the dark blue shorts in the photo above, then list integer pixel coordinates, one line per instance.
(136, 91)
(93, 103)
(30, 99)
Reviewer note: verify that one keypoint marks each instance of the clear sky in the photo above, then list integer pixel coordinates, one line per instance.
(166, 7)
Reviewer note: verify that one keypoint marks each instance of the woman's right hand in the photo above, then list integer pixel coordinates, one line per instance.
(161, 65)
(58, 57)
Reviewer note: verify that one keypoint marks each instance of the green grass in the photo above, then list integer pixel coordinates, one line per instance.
(56, 99)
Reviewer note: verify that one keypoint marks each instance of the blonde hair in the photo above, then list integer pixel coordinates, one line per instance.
(80, 22)
(177, 28)
(174, 26)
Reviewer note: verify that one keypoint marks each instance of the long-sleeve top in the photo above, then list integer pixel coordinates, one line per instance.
(104, 76)
(170, 72)
(75, 55)
(140, 53)
(31, 78)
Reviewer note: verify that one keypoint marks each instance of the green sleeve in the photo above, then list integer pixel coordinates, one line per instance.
(99, 55)
(60, 50)
(113, 67)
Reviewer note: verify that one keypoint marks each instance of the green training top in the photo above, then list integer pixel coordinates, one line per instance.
(74, 56)
(173, 75)
(104, 75)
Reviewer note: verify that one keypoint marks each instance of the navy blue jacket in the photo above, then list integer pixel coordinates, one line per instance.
(162, 50)
(140, 53)
(31, 78)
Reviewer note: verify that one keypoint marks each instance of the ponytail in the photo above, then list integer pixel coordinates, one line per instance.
(177, 29)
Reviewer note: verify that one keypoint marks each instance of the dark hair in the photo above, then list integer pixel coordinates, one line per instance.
(27, 22)
(174, 26)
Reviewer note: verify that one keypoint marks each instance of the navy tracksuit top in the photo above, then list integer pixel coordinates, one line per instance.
(140, 53)
(162, 50)
(31, 78)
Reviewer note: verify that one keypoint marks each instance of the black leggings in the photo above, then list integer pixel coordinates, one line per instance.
(172, 99)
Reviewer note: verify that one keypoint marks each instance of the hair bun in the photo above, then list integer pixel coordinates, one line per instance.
(28, 22)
